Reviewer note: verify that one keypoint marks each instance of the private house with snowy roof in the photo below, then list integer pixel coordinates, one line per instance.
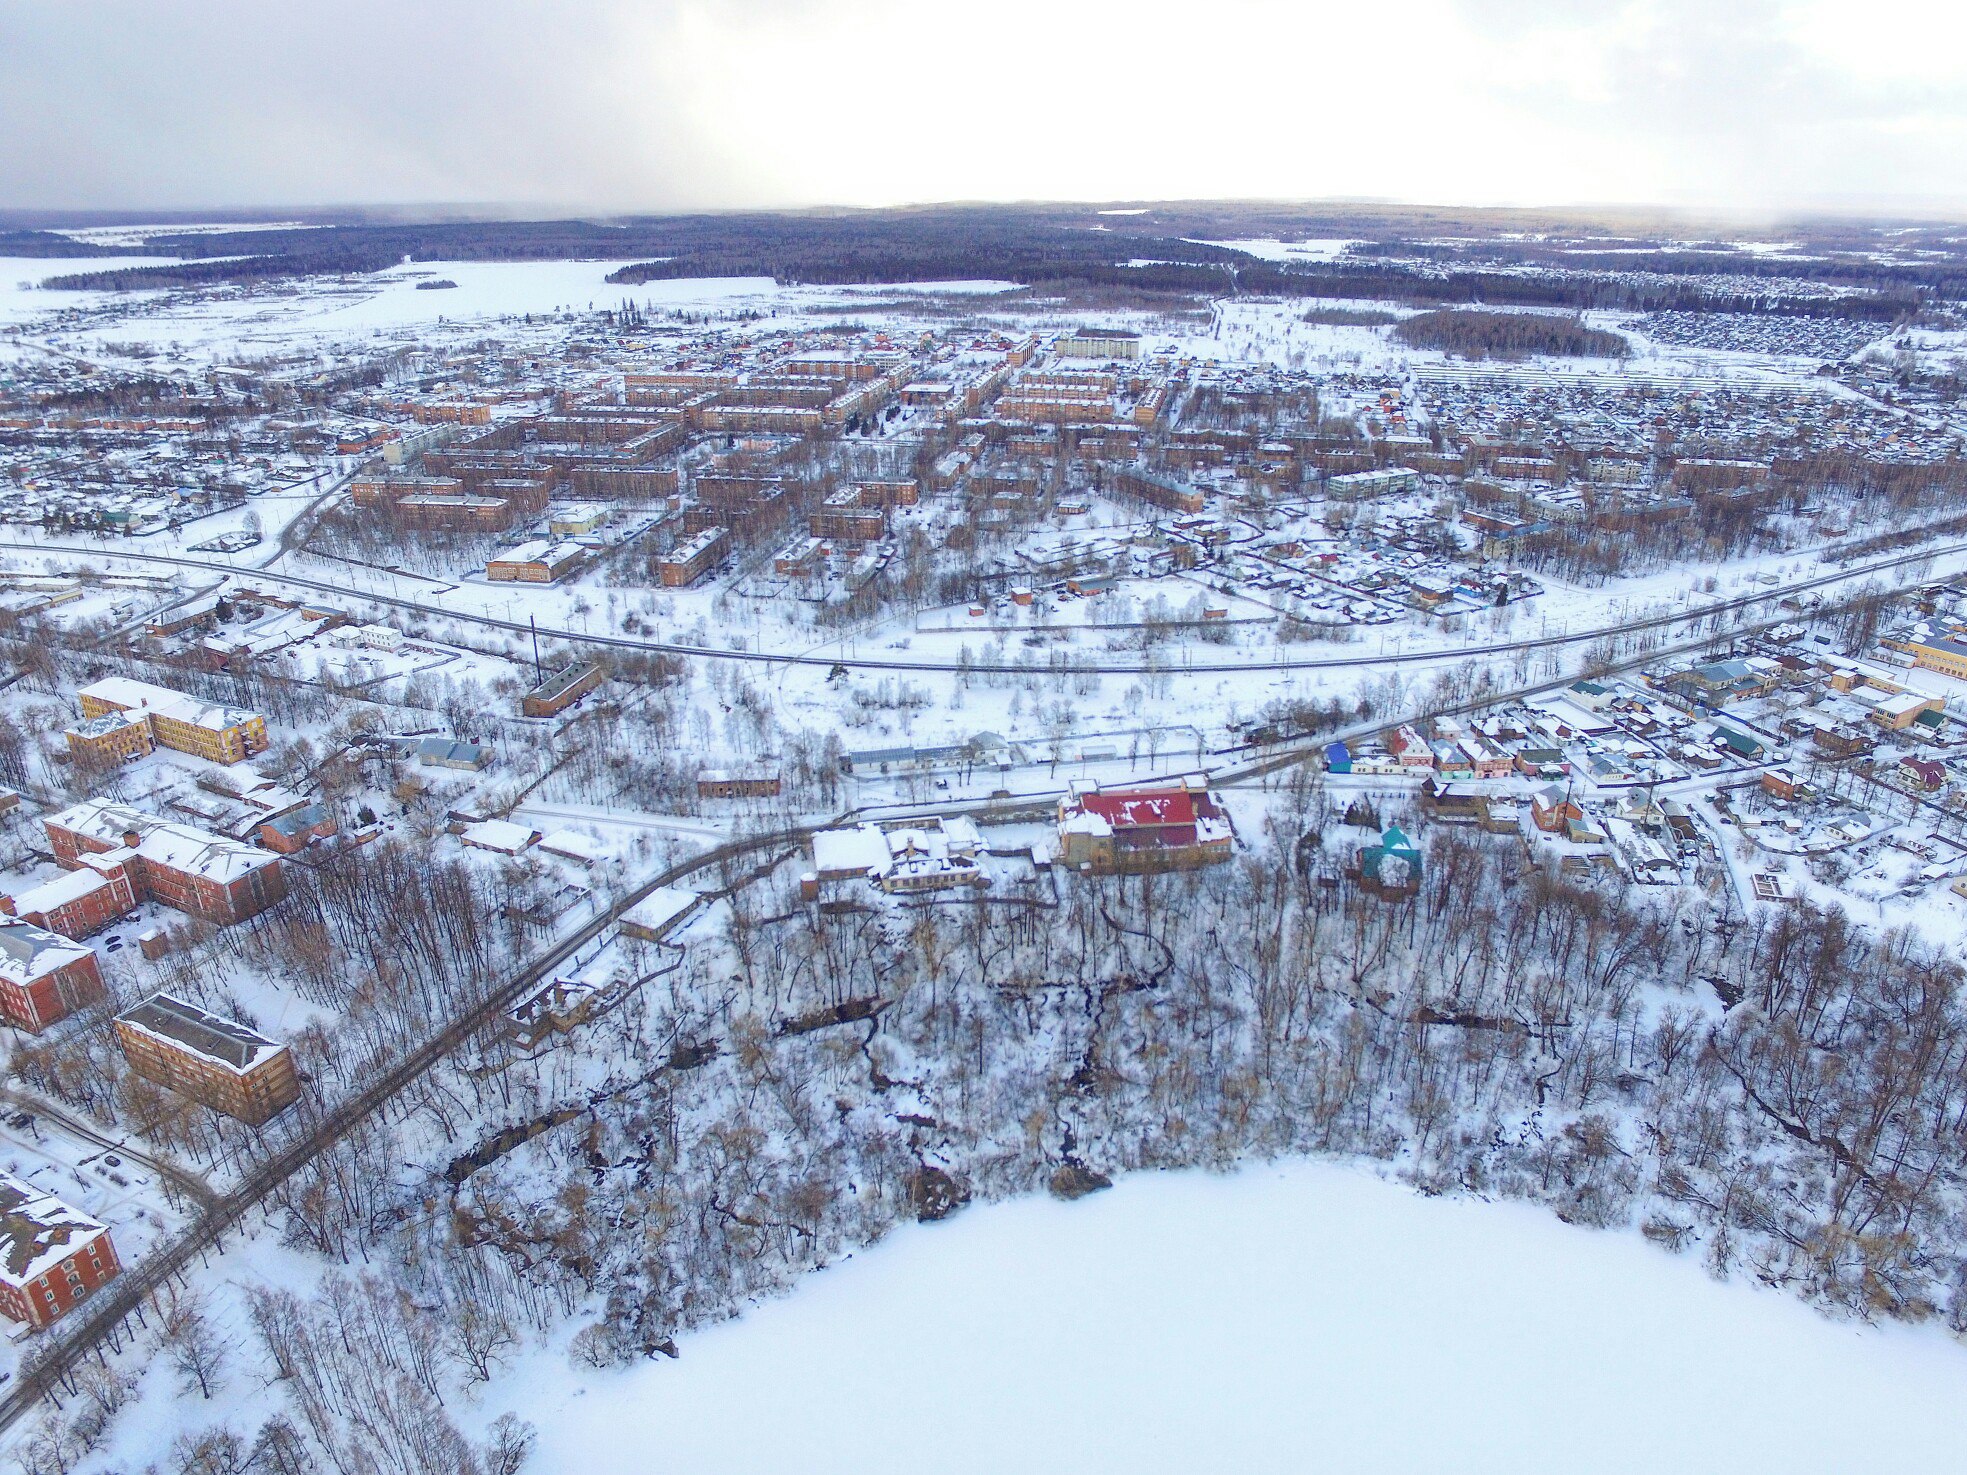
(901, 856)
(1157, 827)
(1409, 748)
(211, 1059)
(52, 1256)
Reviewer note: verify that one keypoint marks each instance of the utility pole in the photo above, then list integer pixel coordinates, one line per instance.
(539, 673)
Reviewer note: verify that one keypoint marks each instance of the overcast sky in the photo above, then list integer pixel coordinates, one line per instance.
(661, 104)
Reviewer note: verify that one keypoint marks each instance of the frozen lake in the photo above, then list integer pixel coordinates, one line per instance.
(1284, 1319)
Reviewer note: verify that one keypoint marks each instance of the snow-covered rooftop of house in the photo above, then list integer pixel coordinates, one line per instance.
(571, 843)
(914, 846)
(212, 1037)
(38, 1231)
(499, 834)
(540, 550)
(860, 849)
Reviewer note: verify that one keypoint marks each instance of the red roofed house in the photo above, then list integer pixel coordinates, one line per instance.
(1551, 809)
(1159, 827)
(1409, 748)
(1922, 774)
(51, 1256)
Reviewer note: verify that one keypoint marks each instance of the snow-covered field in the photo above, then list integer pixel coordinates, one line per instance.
(1291, 1318)
(21, 296)
(230, 323)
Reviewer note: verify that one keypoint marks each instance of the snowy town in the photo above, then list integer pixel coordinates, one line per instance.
(543, 801)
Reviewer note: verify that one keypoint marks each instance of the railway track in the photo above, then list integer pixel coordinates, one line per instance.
(1708, 612)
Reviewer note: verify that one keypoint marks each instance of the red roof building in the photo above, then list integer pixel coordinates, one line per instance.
(1156, 827)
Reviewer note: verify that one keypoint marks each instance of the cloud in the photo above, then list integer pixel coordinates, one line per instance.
(689, 103)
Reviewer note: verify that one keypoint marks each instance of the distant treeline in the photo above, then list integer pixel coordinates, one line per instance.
(1351, 317)
(901, 246)
(1039, 246)
(1397, 282)
(1475, 334)
(48, 243)
(1857, 271)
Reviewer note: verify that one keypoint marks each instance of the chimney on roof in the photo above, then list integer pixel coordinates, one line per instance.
(6, 906)
(132, 839)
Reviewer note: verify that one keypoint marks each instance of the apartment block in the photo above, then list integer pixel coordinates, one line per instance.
(43, 976)
(211, 1059)
(691, 559)
(537, 562)
(77, 903)
(52, 1256)
(175, 865)
(188, 724)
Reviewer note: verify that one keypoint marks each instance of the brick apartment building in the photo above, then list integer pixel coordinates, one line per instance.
(562, 689)
(889, 494)
(52, 1256)
(172, 720)
(77, 903)
(386, 491)
(114, 737)
(1158, 491)
(537, 562)
(844, 517)
(43, 976)
(691, 559)
(440, 512)
(214, 1060)
(722, 783)
(175, 865)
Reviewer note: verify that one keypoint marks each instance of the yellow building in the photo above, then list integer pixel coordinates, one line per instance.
(114, 737)
(173, 720)
(1935, 653)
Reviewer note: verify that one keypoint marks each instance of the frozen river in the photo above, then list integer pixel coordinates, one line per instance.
(1283, 1319)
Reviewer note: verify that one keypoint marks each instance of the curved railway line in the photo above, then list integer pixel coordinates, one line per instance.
(1732, 605)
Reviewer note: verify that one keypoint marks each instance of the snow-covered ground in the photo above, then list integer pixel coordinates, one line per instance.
(1286, 1318)
(232, 323)
(22, 298)
(1265, 249)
